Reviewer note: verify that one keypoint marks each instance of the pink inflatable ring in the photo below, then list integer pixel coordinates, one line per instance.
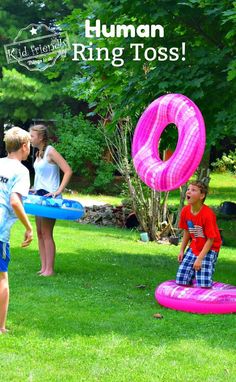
(220, 299)
(169, 175)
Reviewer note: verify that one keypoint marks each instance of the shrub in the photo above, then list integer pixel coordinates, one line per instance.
(83, 146)
(226, 163)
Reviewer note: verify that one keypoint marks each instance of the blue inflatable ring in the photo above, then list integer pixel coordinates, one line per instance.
(58, 208)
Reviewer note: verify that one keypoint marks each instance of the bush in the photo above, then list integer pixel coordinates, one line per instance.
(226, 163)
(83, 146)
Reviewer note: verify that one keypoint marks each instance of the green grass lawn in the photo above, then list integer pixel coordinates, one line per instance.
(91, 323)
(222, 188)
(113, 200)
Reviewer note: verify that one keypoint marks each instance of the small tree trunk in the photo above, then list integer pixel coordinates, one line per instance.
(183, 190)
(137, 204)
(203, 174)
(155, 203)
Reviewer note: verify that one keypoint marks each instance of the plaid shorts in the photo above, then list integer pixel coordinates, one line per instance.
(4, 256)
(186, 273)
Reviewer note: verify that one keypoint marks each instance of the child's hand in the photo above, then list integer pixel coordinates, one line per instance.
(180, 257)
(197, 264)
(28, 238)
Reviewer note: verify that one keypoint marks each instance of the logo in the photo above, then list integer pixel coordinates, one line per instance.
(37, 47)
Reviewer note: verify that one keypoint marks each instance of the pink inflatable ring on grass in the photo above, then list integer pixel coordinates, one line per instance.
(169, 175)
(220, 299)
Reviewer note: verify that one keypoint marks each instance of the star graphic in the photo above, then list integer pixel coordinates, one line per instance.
(33, 31)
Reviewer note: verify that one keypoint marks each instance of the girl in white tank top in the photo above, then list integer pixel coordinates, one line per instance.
(47, 174)
(47, 167)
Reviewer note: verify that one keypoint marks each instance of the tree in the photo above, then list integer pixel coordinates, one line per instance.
(25, 95)
(149, 206)
(206, 76)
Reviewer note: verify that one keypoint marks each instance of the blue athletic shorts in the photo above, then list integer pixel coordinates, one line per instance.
(4, 256)
(41, 192)
(186, 273)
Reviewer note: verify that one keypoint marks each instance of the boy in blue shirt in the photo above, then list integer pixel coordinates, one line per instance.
(14, 183)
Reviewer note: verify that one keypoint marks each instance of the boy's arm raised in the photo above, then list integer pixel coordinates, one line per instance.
(18, 208)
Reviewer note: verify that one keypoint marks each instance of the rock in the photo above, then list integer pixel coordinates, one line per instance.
(106, 215)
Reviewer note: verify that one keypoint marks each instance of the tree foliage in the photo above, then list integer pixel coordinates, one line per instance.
(84, 147)
(21, 95)
(207, 75)
(25, 94)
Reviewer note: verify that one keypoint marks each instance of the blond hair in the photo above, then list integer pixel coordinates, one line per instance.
(42, 131)
(14, 138)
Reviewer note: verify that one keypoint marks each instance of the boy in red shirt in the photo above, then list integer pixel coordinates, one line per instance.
(200, 228)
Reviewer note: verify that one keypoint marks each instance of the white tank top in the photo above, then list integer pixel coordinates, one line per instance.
(47, 175)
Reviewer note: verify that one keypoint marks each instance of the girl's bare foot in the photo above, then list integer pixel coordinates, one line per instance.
(3, 331)
(39, 272)
(47, 274)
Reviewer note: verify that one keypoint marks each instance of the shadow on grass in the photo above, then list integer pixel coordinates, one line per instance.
(107, 292)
